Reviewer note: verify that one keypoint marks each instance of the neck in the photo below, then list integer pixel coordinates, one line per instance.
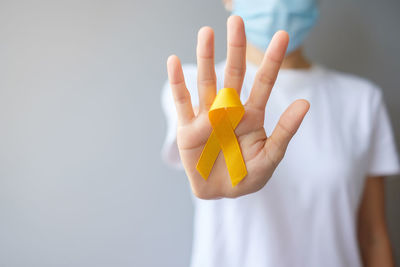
(293, 60)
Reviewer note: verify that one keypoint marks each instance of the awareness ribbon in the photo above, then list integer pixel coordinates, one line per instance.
(224, 115)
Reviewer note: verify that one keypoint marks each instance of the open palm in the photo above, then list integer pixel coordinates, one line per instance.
(261, 154)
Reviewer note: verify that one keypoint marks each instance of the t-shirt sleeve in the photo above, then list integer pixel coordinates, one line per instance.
(169, 151)
(383, 159)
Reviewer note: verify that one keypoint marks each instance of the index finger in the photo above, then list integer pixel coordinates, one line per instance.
(268, 71)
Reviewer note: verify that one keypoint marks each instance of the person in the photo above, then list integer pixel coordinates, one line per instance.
(318, 201)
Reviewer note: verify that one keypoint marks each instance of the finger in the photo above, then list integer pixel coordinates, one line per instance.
(268, 71)
(206, 79)
(289, 122)
(180, 93)
(236, 55)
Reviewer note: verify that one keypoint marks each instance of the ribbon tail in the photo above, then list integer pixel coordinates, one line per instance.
(208, 156)
(231, 149)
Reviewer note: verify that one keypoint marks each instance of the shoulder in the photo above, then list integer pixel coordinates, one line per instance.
(351, 86)
(357, 97)
(355, 100)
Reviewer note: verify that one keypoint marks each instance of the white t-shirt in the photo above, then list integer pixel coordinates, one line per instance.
(306, 214)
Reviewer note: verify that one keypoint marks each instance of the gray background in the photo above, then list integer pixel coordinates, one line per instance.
(81, 180)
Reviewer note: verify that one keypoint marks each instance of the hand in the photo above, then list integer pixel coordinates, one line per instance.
(261, 154)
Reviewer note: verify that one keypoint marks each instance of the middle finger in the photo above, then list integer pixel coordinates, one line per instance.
(236, 56)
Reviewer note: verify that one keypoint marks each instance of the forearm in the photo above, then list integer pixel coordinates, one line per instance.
(376, 249)
(373, 236)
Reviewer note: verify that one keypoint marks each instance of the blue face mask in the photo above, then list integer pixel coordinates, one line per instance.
(262, 18)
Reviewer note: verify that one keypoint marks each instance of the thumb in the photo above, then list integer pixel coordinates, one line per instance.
(289, 122)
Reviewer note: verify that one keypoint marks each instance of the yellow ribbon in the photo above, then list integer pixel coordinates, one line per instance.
(224, 115)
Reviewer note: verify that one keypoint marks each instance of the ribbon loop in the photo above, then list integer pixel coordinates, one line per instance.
(224, 115)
